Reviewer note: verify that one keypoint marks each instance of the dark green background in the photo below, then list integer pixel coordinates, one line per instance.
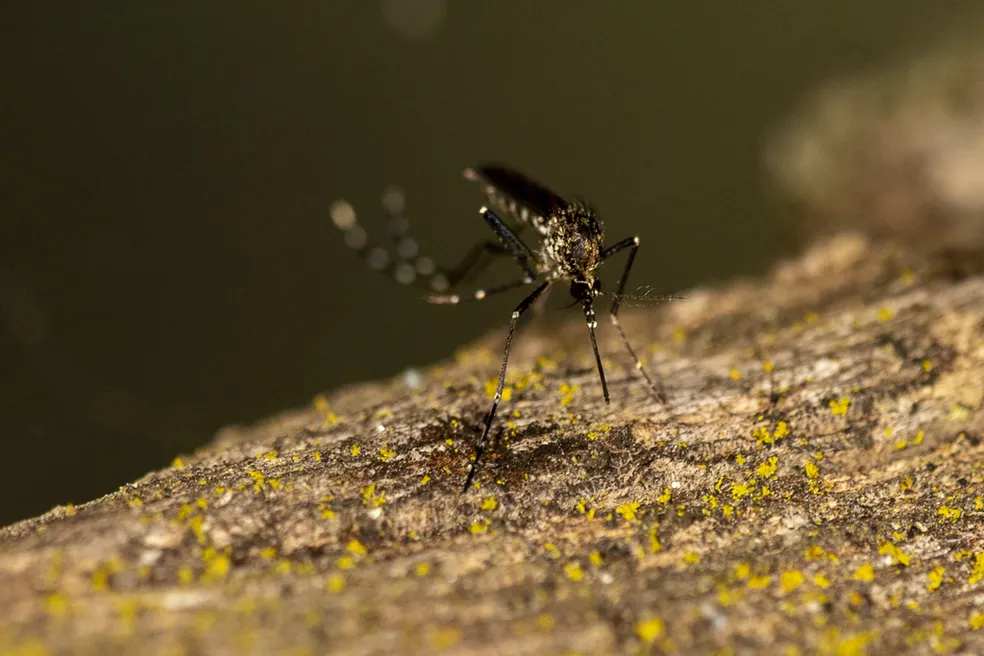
(167, 265)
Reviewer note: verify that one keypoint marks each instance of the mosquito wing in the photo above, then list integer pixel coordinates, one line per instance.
(526, 201)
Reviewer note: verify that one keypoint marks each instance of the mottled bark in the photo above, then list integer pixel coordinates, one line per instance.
(814, 481)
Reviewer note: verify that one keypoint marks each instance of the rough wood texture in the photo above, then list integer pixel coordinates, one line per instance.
(814, 482)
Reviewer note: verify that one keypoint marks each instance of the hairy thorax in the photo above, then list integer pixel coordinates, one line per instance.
(573, 243)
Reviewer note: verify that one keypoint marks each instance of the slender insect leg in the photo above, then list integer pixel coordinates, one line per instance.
(478, 294)
(589, 316)
(402, 259)
(633, 244)
(524, 256)
(474, 262)
(520, 309)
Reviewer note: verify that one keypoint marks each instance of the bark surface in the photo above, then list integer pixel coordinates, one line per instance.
(813, 481)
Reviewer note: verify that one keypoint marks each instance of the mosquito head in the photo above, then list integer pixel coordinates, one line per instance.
(583, 289)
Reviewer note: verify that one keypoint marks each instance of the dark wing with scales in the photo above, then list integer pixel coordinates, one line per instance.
(526, 201)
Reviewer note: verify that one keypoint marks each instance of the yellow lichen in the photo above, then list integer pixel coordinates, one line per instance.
(947, 512)
(790, 580)
(628, 510)
(978, 573)
(813, 477)
(691, 558)
(728, 597)
(864, 573)
(370, 497)
(422, 569)
(185, 575)
(444, 637)
(567, 393)
(355, 450)
(217, 565)
(739, 490)
(889, 548)
(595, 558)
(492, 384)
(851, 645)
(56, 605)
(489, 503)
(357, 548)
(758, 582)
(841, 406)
(650, 629)
(573, 571)
(385, 454)
(322, 407)
(762, 436)
(935, 578)
(815, 552)
(259, 480)
(480, 526)
(654, 544)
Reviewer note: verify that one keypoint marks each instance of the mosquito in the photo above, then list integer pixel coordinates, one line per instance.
(571, 247)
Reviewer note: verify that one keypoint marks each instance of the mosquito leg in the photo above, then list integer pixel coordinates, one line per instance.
(633, 244)
(520, 309)
(525, 258)
(476, 260)
(474, 263)
(478, 294)
(589, 316)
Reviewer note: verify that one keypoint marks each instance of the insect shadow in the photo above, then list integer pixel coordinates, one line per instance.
(571, 247)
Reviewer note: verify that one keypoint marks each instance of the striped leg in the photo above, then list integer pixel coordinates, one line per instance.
(520, 309)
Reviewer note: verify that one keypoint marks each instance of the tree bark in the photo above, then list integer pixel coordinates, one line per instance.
(813, 482)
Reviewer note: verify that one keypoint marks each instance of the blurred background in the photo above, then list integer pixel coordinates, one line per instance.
(167, 263)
